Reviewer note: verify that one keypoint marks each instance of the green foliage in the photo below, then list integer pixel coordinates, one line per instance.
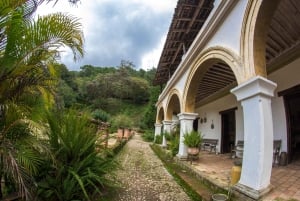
(174, 145)
(139, 90)
(78, 172)
(121, 121)
(168, 136)
(150, 111)
(65, 95)
(28, 80)
(158, 139)
(20, 149)
(100, 115)
(148, 136)
(192, 139)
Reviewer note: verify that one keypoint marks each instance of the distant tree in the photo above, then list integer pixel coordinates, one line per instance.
(87, 71)
(66, 96)
(139, 90)
(150, 112)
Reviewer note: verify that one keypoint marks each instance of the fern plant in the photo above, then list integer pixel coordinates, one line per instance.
(192, 139)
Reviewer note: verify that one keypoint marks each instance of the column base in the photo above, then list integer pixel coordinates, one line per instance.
(248, 193)
(181, 157)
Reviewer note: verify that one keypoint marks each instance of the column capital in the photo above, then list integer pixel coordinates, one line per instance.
(253, 87)
(187, 116)
(158, 125)
(167, 122)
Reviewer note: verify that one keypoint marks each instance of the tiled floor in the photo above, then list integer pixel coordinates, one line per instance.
(285, 180)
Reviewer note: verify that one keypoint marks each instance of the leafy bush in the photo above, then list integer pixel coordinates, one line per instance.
(192, 139)
(148, 136)
(174, 145)
(77, 171)
(121, 121)
(168, 136)
(100, 115)
(158, 139)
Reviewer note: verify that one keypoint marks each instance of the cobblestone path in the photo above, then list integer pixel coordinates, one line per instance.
(143, 176)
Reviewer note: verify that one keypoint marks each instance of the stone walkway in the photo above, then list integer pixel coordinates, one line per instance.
(143, 176)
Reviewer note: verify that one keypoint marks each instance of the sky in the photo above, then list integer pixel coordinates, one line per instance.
(115, 30)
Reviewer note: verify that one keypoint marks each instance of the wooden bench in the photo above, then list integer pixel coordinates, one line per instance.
(210, 144)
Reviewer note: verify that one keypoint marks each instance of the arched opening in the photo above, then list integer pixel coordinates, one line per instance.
(160, 115)
(271, 44)
(173, 107)
(254, 36)
(282, 56)
(208, 94)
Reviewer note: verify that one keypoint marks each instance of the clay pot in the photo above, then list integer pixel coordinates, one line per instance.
(193, 150)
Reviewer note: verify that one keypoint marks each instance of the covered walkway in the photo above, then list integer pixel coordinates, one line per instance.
(285, 180)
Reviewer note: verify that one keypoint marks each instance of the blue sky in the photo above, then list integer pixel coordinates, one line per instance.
(116, 30)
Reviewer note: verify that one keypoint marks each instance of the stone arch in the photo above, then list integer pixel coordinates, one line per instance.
(160, 114)
(173, 104)
(257, 18)
(204, 61)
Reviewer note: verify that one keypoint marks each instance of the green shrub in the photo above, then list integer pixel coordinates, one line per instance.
(100, 115)
(174, 145)
(158, 139)
(168, 136)
(121, 121)
(192, 139)
(148, 136)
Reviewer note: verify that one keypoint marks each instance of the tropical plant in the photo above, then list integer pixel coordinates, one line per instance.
(20, 151)
(192, 139)
(30, 48)
(78, 172)
(27, 83)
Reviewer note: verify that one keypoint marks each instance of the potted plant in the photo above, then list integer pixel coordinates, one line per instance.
(123, 123)
(193, 140)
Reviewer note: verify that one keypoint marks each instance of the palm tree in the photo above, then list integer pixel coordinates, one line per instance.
(27, 83)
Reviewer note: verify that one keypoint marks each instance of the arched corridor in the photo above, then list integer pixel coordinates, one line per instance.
(239, 81)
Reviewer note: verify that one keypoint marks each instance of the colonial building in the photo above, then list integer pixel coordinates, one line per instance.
(231, 69)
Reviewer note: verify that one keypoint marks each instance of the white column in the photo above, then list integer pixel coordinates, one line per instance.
(255, 96)
(167, 126)
(157, 129)
(186, 125)
(167, 129)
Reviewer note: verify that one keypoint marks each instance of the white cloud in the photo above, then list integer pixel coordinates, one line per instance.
(151, 59)
(118, 29)
(157, 5)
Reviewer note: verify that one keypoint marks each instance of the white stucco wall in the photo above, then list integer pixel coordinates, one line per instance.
(181, 82)
(212, 114)
(285, 78)
(229, 33)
